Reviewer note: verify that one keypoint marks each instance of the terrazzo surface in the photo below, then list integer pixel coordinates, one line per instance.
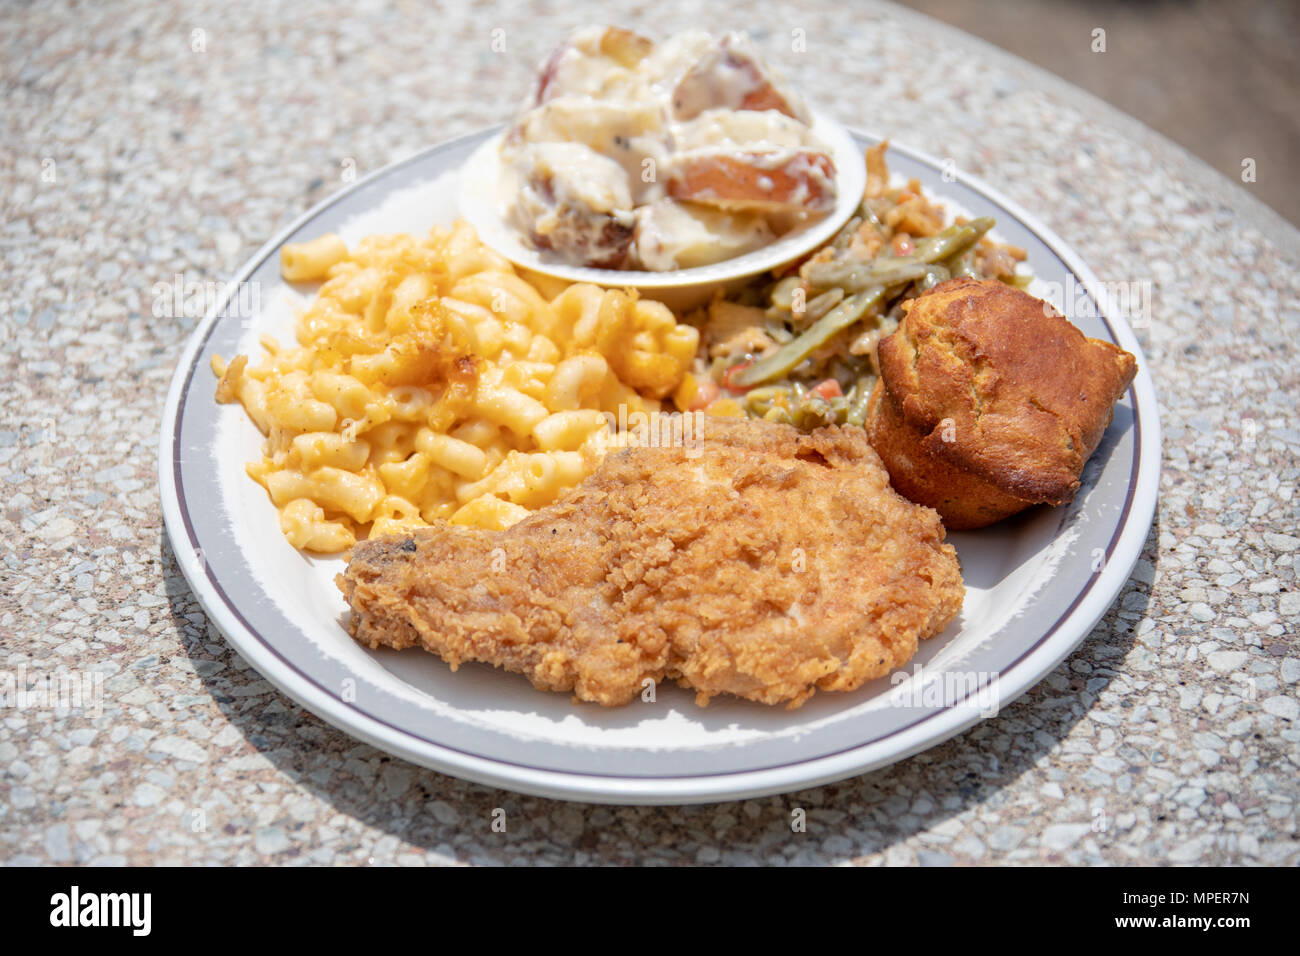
(142, 142)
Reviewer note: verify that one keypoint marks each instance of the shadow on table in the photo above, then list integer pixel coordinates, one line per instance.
(853, 818)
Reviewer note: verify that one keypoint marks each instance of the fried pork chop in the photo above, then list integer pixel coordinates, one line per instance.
(763, 562)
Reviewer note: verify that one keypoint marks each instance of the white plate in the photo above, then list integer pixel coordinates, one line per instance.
(1036, 584)
(481, 208)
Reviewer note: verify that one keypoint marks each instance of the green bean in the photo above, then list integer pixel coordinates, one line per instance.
(777, 332)
(953, 240)
(856, 276)
(933, 276)
(778, 414)
(778, 363)
(818, 411)
(845, 235)
(963, 265)
(819, 306)
(888, 270)
(858, 404)
(852, 393)
(814, 410)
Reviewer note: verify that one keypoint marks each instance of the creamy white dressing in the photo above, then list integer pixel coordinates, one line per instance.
(570, 197)
(638, 122)
(680, 235)
(753, 130)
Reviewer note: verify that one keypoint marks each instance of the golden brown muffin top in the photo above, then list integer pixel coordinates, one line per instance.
(1003, 385)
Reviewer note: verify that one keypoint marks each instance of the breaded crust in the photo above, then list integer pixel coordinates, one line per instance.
(767, 564)
(995, 383)
(963, 500)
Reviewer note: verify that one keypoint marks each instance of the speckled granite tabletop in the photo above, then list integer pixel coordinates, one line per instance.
(143, 141)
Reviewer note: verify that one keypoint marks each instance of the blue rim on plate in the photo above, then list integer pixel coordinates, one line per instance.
(1043, 581)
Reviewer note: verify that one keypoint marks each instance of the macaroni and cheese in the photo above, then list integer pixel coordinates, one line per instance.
(430, 382)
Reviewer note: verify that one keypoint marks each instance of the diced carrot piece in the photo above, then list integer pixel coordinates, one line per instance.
(705, 394)
(828, 389)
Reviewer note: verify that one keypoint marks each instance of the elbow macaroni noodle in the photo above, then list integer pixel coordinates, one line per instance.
(431, 381)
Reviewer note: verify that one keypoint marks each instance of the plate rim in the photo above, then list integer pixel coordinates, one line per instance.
(927, 731)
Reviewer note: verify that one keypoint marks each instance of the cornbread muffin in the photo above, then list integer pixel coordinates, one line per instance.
(990, 401)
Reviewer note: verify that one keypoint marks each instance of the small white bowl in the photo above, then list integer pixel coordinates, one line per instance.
(680, 288)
